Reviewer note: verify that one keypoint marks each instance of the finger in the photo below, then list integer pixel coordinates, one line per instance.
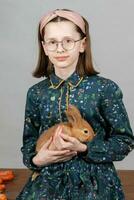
(59, 129)
(63, 159)
(58, 141)
(71, 153)
(60, 152)
(62, 144)
(57, 132)
(67, 137)
(46, 145)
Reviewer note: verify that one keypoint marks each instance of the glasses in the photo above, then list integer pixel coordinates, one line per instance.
(67, 44)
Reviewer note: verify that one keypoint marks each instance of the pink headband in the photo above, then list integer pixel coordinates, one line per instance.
(70, 15)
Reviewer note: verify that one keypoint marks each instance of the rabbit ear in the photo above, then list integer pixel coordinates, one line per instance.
(73, 114)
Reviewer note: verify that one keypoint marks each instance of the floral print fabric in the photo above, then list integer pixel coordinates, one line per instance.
(85, 177)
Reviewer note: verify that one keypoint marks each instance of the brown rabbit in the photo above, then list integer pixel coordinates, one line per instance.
(75, 127)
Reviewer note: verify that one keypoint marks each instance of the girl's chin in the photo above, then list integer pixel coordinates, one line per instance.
(61, 64)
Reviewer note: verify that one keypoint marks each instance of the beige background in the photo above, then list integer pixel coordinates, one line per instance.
(112, 35)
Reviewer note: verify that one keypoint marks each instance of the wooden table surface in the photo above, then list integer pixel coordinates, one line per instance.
(21, 176)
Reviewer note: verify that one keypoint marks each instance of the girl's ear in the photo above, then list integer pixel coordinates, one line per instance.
(83, 45)
(45, 50)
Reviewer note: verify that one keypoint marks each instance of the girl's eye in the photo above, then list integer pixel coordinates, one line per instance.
(52, 42)
(68, 40)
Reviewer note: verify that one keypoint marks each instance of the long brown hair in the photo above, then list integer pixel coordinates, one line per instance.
(84, 65)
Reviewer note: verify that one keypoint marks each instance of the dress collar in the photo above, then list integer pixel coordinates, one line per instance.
(73, 80)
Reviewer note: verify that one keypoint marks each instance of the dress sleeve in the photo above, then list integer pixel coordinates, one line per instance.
(119, 139)
(31, 129)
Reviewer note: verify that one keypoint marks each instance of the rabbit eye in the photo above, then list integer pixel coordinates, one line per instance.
(86, 131)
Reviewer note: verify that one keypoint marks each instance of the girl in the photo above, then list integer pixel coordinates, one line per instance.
(75, 171)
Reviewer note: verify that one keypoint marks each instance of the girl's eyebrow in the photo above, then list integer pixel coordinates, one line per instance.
(53, 38)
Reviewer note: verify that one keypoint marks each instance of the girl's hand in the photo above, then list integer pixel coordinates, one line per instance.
(63, 141)
(46, 156)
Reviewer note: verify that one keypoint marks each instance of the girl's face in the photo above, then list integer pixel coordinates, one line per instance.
(60, 57)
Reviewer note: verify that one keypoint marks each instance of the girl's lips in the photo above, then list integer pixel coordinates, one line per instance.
(61, 58)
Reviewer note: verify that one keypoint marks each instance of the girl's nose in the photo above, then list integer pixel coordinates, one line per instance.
(60, 47)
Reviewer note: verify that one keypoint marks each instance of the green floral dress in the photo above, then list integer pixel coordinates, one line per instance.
(88, 176)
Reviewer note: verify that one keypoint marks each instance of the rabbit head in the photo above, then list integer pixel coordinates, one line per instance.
(81, 129)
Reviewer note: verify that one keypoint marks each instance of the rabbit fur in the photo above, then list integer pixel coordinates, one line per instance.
(75, 127)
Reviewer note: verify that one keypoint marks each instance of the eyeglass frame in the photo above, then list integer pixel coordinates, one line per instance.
(57, 43)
